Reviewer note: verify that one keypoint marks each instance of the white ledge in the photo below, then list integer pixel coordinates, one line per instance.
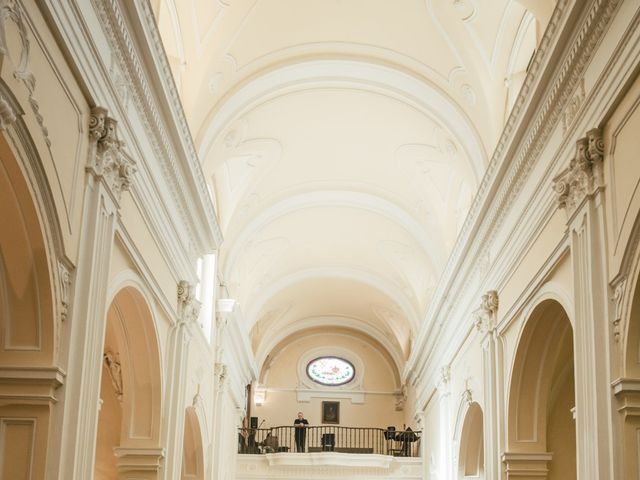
(329, 458)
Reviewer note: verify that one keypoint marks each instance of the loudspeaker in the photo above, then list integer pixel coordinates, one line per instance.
(253, 422)
(390, 433)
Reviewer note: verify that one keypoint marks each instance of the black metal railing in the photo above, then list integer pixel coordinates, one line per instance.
(405, 443)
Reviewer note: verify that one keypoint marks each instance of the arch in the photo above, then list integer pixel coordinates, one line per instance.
(30, 307)
(626, 296)
(282, 334)
(354, 74)
(471, 453)
(131, 390)
(192, 448)
(430, 244)
(542, 390)
(27, 330)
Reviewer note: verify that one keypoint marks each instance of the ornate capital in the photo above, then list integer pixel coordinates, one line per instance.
(188, 306)
(584, 174)
(109, 161)
(484, 317)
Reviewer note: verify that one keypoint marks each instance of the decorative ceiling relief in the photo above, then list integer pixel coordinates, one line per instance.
(411, 265)
(395, 321)
(465, 9)
(342, 156)
(244, 164)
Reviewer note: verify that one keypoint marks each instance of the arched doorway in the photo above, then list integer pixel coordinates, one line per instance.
(130, 390)
(471, 456)
(192, 451)
(541, 427)
(27, 327)
(625, 389)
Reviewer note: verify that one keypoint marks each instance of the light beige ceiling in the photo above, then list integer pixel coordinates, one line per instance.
(344, 141)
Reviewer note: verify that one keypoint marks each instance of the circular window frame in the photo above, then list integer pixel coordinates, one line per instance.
(330, 385)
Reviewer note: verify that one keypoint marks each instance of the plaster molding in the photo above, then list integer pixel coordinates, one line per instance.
(13, 10)
(584, 175)
(484, 318)
(518, 150)
(109, 162)
(196, 212)
(188, 306)
(139, 459)
(8, 115)
(36, 385)
(619, 287)
(327, 466)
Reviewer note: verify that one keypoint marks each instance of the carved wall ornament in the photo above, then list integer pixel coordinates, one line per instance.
(220, 370)
(112, 362)
(484, 317)
(188, 306)
(445, 374)
(584, 174)
(7, 114)
(618, 295)
(65, 290)
(401, 399)
(11, 10)
(573, 106)
(109, 161)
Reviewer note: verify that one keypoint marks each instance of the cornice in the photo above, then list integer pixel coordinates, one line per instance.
(169, 134)
(526, 132)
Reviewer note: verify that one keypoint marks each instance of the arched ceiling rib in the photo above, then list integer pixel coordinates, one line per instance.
(343, 142)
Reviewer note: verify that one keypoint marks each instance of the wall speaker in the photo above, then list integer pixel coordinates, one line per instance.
(254, 422)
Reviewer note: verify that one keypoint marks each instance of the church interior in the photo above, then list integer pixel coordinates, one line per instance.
(309, 240)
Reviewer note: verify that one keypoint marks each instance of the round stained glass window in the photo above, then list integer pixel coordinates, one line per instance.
(331, 371)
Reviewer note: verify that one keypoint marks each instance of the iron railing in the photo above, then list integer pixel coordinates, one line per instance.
(329, 439)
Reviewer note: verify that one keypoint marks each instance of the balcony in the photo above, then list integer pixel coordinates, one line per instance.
(328, 452)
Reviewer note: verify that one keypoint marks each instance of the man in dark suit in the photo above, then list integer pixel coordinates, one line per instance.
(301, 431)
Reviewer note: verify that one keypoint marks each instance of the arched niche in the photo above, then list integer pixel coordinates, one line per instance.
(27, 321)
(192, 449)
(130, 389)
(626, 392)
(542, 393)
(471, 456)
(26, 295)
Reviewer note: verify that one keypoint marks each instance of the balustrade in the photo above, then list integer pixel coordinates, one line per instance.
(363, 440)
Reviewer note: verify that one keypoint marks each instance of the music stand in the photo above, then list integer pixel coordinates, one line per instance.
(407, 438)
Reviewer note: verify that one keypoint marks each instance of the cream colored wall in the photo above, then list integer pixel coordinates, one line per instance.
(622, 174)
(281, 380)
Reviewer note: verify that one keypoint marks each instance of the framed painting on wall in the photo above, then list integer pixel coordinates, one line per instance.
(331, 412)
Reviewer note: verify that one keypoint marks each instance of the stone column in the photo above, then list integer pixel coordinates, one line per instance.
(109, 173)
(175, 400)
(444, 398)
(580, 193)
(223, 311)
(485, 319)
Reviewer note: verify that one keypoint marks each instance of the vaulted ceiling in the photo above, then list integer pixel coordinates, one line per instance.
(343, 141)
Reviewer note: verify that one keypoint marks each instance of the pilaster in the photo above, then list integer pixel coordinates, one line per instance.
(444, 405)
(179, 338)
(579, 191)
(109, 173)
(485, 319)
